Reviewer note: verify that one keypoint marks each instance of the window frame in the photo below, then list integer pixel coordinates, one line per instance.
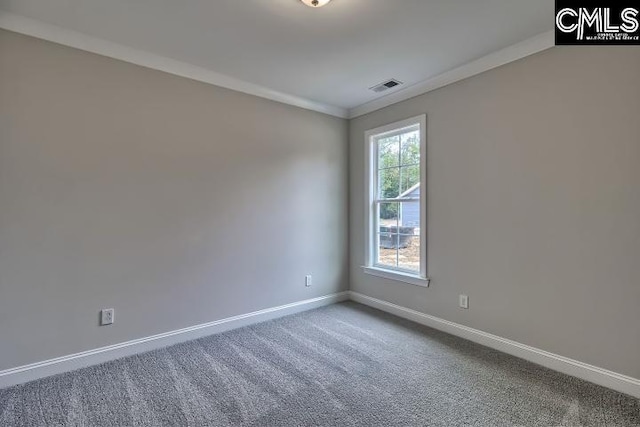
(372, 201)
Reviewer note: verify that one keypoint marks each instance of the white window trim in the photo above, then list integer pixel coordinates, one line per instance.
(421, 278)
(398, 276)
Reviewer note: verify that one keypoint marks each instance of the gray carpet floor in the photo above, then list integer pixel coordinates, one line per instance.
(341, 365)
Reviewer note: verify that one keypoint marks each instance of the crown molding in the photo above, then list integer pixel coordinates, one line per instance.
(31, 27)
(496, 59)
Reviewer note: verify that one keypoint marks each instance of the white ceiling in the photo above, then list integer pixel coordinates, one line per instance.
(330, 55)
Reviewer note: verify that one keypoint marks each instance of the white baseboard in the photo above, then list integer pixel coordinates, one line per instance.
(75, 361)
(594, 374)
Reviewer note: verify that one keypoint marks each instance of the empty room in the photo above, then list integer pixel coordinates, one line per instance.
(319, 213)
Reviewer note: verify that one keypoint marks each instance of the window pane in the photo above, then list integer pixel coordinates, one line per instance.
(409, 177)
(388, 152)
(388, 216)
(388, 249)
(387, 234)
(409, 252)
(410, 148)
(409, 217)
(389, 183)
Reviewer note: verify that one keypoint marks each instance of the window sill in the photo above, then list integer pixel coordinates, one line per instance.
(398, 276)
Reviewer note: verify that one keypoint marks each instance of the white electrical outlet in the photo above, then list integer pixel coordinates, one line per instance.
(464, 301)
(107, 316)
(308, 280)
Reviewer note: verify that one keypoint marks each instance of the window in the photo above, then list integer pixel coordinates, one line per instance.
(396, 202)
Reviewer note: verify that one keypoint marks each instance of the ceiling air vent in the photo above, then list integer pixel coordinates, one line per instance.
(391, 83)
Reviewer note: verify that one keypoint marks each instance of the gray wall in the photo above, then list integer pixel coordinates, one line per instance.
(173, 201)
(534, 203)
(178, 203)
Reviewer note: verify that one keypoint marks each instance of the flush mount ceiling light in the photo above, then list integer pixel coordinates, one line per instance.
(315, 3)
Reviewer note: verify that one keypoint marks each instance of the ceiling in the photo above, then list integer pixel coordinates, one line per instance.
(331, 55)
